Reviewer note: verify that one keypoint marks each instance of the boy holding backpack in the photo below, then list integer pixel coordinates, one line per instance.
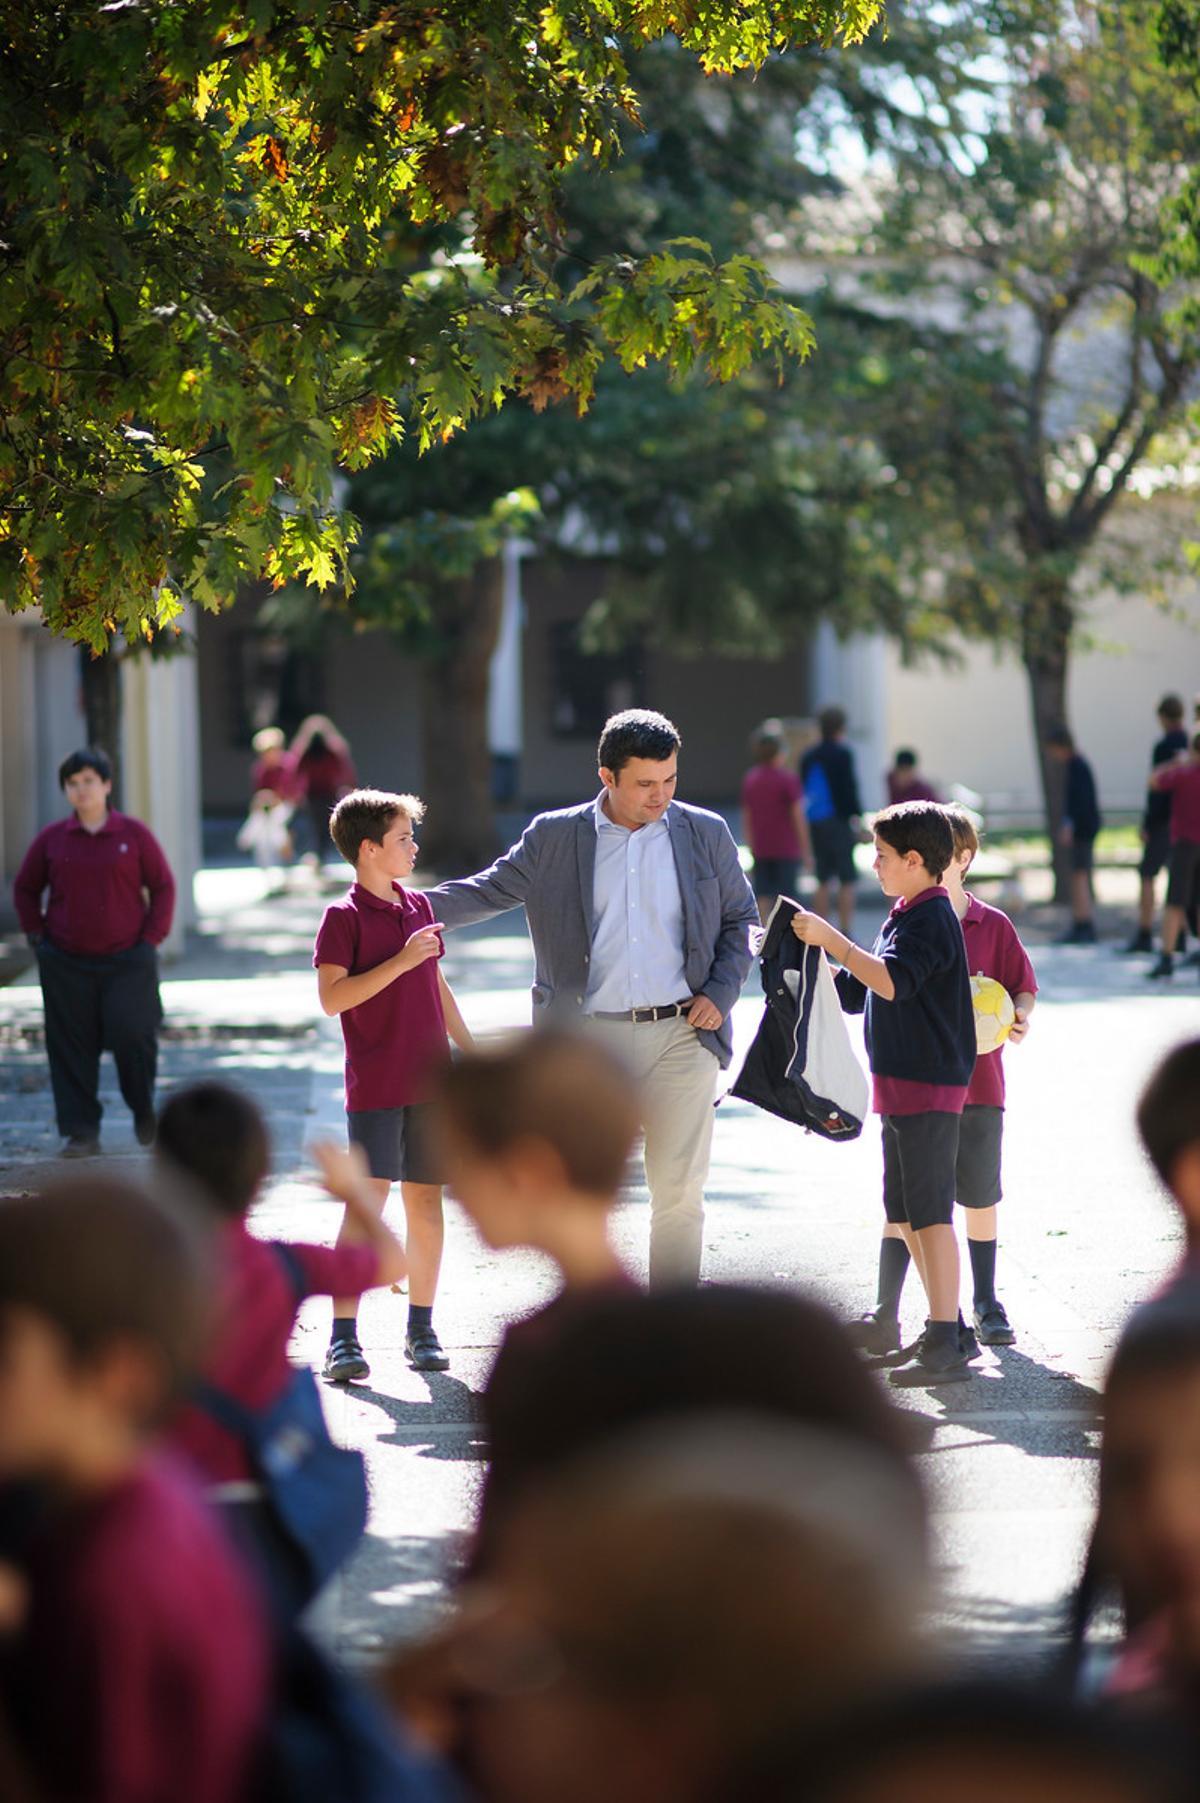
(249, 1392)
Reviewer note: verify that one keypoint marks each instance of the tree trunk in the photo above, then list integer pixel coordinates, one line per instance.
(101, 681)
(1047, 644)
(460, 831)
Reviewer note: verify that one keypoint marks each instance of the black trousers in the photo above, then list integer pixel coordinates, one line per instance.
(93, 1004)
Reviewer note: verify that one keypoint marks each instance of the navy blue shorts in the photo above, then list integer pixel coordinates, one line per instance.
(920, 1156)
(977, 1171)
(397, 1142)
(833, 850)
(776, 876)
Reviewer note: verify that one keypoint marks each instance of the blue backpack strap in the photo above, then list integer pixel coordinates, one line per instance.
(237, 1420)
(290, 1261)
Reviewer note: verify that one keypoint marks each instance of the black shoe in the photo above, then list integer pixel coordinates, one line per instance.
(144, 1129)
(1164, 968)
(1083, 932)
(875, 1333)
(81, 1145)
(344, 1362)
(423, 1350)
(968, 1345)
(931, 1364)
(1142, 941)
(992, 1325)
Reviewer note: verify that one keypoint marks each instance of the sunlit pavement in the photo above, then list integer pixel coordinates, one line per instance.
(1011, 1460)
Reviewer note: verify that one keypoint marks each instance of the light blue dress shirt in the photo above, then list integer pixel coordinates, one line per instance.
(637, 919)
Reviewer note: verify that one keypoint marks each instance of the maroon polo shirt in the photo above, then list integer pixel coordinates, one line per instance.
(994, 950)
(396, 1042)
(96, 906)
(141, 1671)
(1182, 783)
(255, 1313)
(769, 794)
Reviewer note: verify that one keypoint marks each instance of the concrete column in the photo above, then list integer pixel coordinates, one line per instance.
(161, 752)
(506, 707)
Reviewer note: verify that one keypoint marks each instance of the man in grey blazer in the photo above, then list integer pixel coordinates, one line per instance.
(640, 918)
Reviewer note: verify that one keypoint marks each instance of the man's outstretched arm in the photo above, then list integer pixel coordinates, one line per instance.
(493, 891)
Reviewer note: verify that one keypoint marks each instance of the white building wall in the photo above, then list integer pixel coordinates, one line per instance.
(970, 722)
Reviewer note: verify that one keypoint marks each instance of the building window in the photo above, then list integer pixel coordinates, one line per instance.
(586, 687)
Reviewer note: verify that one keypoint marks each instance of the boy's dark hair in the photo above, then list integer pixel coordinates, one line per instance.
(906, 759)
(102, 1261)
(88, 757)
(216, 1135)
(1171, 708)
(367, 814)
(919, 826)
(637, 733)
(1062, 737)
(1168, 1112)
(766, 747)
(831, 721)
(551, 1085)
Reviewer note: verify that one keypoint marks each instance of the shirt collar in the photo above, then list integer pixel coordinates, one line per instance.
(914, 901)
(974, 907)
(367, 898)
(605, 825)
(111, 819)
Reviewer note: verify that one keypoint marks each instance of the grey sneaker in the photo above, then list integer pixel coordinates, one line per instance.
(81, 1145)
(874, 1333)
(931, 1364)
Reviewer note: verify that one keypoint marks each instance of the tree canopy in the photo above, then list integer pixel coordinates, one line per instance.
(246, 246)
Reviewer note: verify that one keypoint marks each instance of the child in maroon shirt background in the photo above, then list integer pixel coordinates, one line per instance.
(1181, 781)
(217, 1138)
(95, 943)
(774, 821)
(139, 1671)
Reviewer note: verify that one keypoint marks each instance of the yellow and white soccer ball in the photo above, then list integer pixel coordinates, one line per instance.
(994, 1013)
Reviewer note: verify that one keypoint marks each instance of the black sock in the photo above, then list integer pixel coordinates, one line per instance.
(345, 1327)
(893, 1269)
(983, 1271)
(419, 1317)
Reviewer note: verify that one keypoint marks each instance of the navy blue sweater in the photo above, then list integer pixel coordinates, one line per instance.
(927, 1032)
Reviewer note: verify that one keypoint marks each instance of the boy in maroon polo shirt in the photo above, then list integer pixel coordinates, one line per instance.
(217, 1138)
(110, 898)
(139, 1669)
(993, 950)
(376, 961)
(1181, 781)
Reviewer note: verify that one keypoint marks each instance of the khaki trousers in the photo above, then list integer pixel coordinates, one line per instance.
(676, 1078)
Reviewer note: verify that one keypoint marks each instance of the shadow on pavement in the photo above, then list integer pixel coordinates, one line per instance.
(450, 1418)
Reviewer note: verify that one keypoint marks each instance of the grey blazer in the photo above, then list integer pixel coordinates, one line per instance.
(550, 871)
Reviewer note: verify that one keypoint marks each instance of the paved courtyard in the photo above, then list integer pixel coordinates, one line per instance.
(1011, 1456)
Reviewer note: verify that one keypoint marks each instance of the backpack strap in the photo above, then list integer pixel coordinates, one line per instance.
(289, 1259)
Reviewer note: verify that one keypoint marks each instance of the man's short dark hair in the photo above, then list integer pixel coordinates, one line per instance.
(1171, 708)
(906, 759)
(554, 1086)
(367, 814)
(919, 826)
(89, 757)
(103, 1262)
(831, 721)
(637, 733)
(216, 1135)
(1168, 1113)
